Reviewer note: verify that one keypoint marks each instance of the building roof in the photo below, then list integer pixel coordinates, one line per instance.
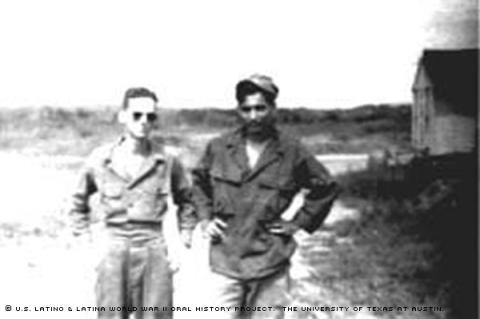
(454, 76)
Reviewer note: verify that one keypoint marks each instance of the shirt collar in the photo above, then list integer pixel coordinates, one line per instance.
(157, 150)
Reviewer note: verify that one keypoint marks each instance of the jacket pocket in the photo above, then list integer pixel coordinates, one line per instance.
(159, 191)
(113, 190)
(149, 204)
(156, 198)
(280, 184)
(222, 208)
(225, 185)
(218, 175)
(277, 196)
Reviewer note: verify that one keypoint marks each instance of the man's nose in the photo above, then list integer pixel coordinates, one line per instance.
(253, 114)
(143, 119)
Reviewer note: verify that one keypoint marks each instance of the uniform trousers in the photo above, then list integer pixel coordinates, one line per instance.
(134, 275)
(253, 298)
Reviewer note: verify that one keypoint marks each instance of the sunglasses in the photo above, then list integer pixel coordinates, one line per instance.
(257, 108)
(151, 117)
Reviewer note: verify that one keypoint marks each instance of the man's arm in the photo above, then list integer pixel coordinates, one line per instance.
(79, 208)
(322, 191)
(202, 187)
(203, 196)
(182, 197)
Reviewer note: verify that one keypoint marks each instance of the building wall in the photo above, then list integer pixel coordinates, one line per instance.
(444, 113)
(423, 114)
(423, 109)
(436, 127)
(452, 133)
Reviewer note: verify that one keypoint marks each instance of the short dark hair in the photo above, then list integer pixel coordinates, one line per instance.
(246, 88)
(137, 92)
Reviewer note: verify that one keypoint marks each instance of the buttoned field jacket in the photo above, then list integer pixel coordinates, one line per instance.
(247, 200)
(141, 200)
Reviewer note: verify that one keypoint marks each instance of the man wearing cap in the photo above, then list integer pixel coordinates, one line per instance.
(134, 178)
(244, 182)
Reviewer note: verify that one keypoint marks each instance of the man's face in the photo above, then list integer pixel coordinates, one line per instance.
(257, 115)
(140, 117)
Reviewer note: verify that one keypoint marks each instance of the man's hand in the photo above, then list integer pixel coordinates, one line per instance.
(186, 238)
(77, 239)
(283, 227)
(214, 229)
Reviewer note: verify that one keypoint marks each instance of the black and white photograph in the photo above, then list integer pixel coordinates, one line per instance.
(239, 159)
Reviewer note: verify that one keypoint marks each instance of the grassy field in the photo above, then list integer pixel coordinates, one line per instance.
(380, 251)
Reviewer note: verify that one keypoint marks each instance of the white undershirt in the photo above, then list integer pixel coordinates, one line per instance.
(254, 150)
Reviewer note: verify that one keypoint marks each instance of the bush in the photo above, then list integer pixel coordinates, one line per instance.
(422, 232)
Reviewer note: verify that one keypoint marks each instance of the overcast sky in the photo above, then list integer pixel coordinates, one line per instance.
(322, 54)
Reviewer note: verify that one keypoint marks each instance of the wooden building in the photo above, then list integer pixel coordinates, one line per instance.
(444, 114)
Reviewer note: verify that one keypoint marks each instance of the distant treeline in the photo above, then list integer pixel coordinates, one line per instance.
(360, 129)
(363, 120)
(225, 118)
(210, 117)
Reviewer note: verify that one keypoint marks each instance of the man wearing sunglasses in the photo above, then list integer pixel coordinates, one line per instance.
(243, 184)
(134, 178)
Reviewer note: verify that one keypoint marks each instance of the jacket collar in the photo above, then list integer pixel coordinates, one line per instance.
(157, 151)
(236, 145)
(157, 156)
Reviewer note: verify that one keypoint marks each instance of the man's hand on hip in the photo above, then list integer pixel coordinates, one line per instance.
(283, 227)
(214, 228)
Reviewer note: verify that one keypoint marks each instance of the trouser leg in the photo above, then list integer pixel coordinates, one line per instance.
(242, 295)
(225, 292)
(136, 270)
(270, 293)
(157, 287)
(111, 286)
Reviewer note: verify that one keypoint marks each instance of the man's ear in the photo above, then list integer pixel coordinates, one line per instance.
(122, 116)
